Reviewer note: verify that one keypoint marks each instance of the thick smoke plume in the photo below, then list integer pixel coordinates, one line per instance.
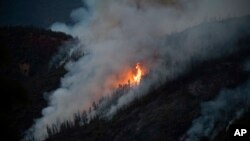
(115, 35)
(217, 114)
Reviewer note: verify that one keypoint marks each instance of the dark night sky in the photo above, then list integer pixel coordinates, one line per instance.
(41, 13)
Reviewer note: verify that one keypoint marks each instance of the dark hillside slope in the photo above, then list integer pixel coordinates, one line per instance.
(25, 53)
(165, 114)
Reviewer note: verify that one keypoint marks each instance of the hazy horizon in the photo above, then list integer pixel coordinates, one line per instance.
(39, 13)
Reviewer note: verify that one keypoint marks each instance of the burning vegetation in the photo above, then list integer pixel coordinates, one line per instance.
(133, 76)
(116, 37)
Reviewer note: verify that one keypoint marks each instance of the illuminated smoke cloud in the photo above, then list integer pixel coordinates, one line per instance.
(115, 35)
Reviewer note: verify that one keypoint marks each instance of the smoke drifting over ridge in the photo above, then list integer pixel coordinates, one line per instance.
(115, 35)
(219, 113)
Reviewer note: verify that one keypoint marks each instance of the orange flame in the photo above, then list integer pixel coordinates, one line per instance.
(128, 77)
(131, 76)
(137, 77)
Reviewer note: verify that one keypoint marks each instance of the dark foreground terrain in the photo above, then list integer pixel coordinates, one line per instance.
(25, 75)
(165, 114)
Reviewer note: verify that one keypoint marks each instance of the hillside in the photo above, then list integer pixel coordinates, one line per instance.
(25, 75)
(166, 113)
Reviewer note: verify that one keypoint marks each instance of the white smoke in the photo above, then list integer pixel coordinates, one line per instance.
(217, 114)
(114, 35)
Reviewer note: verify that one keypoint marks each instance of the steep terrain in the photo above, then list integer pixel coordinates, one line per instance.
(166, 113)
(25, 75)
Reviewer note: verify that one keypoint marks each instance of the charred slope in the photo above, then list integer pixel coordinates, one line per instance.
(166, 113)
(25, 53)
